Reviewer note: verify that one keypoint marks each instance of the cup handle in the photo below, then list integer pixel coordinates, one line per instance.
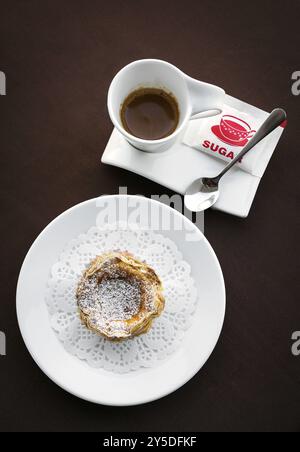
(206, 99)
(250, 134)
(206, 113)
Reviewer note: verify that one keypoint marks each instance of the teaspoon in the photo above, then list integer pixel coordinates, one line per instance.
(204, 192)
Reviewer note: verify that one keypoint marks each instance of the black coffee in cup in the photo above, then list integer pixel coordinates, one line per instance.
(150, 113)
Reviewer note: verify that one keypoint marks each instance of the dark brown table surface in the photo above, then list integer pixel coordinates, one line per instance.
(59, 58)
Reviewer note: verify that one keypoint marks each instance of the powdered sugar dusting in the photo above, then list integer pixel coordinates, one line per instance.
(110, 297)
(115, 299)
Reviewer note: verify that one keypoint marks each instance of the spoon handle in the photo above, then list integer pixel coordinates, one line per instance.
(276, 117)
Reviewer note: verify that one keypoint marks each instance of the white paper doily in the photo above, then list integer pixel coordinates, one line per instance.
(167, 330)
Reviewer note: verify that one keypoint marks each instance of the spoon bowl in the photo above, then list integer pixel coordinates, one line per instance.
(200, 195)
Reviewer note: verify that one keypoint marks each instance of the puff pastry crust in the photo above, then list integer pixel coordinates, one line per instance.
(118, 296)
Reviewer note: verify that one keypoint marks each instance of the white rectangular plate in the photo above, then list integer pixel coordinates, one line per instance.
(177, 167)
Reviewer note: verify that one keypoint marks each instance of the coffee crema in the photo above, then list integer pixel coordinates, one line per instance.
(150, 113)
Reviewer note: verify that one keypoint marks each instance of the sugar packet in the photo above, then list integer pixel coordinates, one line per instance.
(223, 136)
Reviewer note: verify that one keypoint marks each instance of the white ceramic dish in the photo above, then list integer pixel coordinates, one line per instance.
(97, 385)
(180, 165)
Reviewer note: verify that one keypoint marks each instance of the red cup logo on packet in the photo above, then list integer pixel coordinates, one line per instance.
(233, 131)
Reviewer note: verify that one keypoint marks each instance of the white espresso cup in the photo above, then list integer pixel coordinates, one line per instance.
(195, 98)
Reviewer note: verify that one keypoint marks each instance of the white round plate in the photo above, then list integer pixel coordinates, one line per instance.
(98, 385)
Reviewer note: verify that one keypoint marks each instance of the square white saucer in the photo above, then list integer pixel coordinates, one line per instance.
(180, 165)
